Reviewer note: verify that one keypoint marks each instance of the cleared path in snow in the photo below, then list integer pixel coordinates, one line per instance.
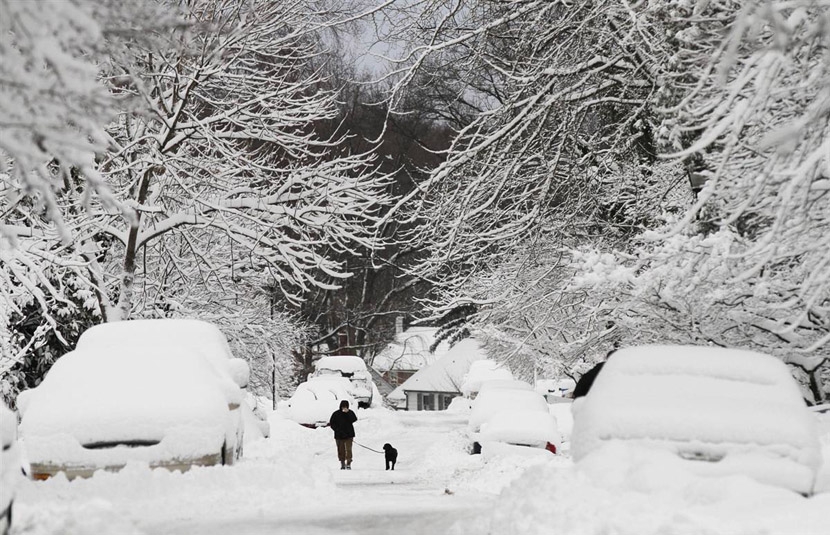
(412, 499)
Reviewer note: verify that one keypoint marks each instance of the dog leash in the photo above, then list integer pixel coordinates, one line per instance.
(367, 447)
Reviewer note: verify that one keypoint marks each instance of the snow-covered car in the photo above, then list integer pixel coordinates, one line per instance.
(316, 399)
(354, 369)
(723, 411)
(10, 466)
(198, 336)
(100, 408)
(520, 429)
(490, 402)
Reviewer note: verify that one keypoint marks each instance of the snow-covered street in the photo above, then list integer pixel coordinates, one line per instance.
(291, 484)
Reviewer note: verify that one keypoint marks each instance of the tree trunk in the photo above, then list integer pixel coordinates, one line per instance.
(126, 292)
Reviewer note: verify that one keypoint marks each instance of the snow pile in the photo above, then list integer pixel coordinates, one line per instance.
(93, 517)
(481, 371)
(460, 404)
(823, 478)
(491, 473)
(564, 418)
(276, 476)
(628, 491)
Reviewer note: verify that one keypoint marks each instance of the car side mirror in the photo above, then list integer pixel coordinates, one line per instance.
(240, 372)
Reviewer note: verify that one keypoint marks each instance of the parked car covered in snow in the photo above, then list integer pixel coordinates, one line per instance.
(100, 409)
(352, 368)
(10, 466)
(516, 431)
(316, 399)
(723, 411)
(200, 336)
(493, 401)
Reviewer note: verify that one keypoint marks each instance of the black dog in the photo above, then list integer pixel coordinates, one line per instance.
(391, 455)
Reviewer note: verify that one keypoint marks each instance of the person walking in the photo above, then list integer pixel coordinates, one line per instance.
(342, 423)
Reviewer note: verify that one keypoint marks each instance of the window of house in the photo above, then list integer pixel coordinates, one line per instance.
(426, 402)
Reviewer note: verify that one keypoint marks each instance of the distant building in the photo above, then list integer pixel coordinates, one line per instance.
(433, 387)
(408, 353)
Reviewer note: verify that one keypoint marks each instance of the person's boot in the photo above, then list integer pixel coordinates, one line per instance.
(342, 465)
(349, 465)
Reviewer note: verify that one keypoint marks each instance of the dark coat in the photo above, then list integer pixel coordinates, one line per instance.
(587, 379)
(342, 423)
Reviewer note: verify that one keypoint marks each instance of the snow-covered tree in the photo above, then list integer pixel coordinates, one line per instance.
(551, 178)
(564, 98)
(213, 159)
(52, 106)
(221, 136)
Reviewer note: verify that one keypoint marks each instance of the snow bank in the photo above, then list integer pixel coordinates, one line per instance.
(277, 476)
(632, 492)
(460, 404)
(564, 419)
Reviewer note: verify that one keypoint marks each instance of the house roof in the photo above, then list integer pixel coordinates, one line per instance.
(445, 374)
(410, 350)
